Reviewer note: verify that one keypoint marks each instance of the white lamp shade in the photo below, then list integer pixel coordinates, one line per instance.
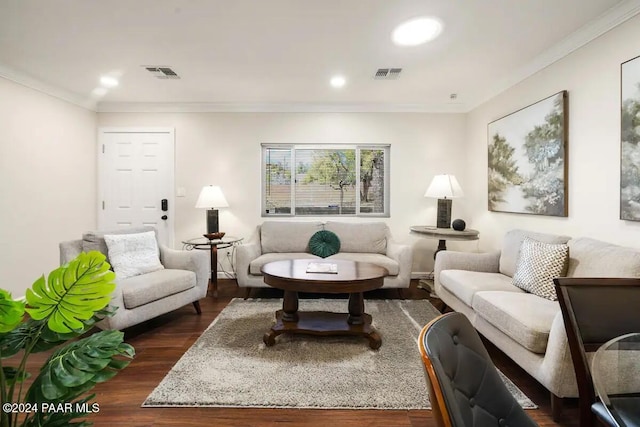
(211, 197)
(444, 187)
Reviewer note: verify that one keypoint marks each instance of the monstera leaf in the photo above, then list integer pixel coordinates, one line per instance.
(37, 335)
(14, 341)
(11, 312)
(62, 308)
(72, 294)
(80, 365)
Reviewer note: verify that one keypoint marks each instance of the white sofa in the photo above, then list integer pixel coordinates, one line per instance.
(183, 280)
(359, 241)
(527, 328)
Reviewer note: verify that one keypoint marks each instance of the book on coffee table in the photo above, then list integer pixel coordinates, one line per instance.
(322, 267)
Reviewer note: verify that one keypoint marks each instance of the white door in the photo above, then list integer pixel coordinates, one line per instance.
(136, 174)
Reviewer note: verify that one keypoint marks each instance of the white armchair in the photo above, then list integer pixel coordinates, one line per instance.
(183, 280)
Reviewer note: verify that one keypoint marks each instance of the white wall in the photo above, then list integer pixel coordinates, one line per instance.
(591, 75)
(47, 181)
(224, 149)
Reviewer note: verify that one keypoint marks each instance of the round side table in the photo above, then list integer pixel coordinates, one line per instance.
(202, 243)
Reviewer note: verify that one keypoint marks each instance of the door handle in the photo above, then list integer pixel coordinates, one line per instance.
(164, 217)
(164, 205)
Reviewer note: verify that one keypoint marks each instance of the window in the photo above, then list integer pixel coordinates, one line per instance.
(321, 180)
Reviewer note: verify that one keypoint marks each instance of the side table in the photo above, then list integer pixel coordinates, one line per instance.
(444, 234)
(202, 243)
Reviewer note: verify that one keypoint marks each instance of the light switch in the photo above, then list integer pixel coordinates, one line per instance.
(181, 192)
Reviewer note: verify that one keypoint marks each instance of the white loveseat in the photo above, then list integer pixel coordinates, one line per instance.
(359, 241)
(527, 328)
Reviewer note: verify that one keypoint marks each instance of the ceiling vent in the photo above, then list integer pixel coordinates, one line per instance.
(387, 73)
(162, 72)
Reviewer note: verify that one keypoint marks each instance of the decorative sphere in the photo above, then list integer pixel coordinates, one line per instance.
(458, 224)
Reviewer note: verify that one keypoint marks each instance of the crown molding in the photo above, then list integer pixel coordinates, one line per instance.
(204, 107)
(26, 80)
(609, 20)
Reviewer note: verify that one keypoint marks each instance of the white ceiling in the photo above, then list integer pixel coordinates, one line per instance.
(278, 55)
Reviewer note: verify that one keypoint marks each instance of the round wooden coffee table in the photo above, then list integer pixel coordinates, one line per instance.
(350, 277)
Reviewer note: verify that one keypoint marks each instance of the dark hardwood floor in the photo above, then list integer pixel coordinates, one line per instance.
(159, 344)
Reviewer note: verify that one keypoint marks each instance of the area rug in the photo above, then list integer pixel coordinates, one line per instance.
(229, 365)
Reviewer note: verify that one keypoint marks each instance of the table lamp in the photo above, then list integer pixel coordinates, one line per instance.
(444, 188)
(211, 198)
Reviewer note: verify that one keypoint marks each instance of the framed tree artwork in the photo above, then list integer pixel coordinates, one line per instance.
(630, 140)
(527, 159)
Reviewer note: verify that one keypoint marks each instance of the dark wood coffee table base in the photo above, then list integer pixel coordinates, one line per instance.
(323, 323)
(353, 278)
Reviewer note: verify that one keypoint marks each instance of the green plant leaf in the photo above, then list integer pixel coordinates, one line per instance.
(14, 341)
(73, 293)
(11, 375)
(75, 368)
(11, 312)
(49, 339)
(45, 339)
(62, 307)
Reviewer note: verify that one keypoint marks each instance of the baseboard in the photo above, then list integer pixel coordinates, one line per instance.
(422, 275)
(228, 275)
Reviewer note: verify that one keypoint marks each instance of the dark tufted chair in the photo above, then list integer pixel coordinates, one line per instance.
(464, 386)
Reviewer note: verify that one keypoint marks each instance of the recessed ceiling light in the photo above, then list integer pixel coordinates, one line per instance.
(108, 81)
(416, 31)
(338, 81)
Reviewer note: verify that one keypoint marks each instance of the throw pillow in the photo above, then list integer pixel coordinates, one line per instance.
(324, 243)
(133, 254)
(538, 264)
